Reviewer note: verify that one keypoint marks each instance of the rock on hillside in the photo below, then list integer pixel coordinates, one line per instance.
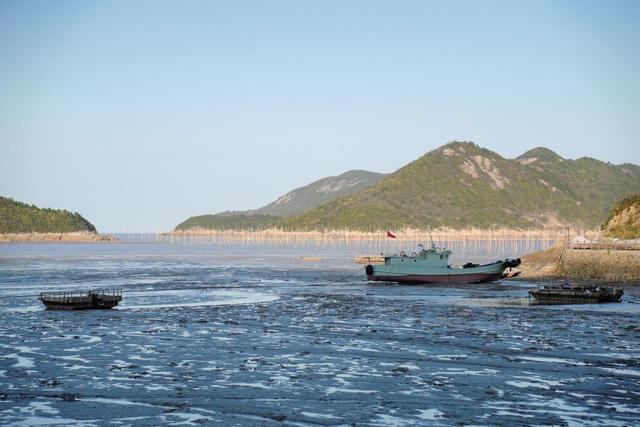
(624, 221)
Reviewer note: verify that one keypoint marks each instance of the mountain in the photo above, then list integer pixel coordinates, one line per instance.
(17, 217)
(462, 185)
(624, 221)
(295, 202)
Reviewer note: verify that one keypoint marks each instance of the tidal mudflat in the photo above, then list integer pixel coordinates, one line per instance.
(206, 335)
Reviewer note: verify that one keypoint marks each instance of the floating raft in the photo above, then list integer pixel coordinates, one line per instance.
(556, 294)
(96, 299)
(310, 258)
(370, 259)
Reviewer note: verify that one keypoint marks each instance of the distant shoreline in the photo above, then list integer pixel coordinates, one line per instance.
(70, 237)
(401, 235)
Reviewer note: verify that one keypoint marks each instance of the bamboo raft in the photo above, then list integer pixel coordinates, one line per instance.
(74, 300)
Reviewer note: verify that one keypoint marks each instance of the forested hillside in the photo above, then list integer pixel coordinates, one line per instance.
(17, 217)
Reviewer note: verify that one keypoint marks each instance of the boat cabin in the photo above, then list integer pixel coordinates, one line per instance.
(433, 257)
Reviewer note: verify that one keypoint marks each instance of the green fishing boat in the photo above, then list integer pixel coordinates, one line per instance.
(432, 266)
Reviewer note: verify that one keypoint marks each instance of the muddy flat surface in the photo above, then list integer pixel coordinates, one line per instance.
(278, 342)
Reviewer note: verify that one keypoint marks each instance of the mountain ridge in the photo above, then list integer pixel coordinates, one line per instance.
(462, 185)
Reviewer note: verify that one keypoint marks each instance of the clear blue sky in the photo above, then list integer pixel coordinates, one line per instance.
(139, 114)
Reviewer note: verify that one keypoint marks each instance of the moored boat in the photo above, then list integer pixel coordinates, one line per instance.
(70, 300)
(566, 294)
(432, 266)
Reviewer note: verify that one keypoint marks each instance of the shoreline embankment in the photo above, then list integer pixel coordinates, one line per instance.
(586, 265)
(71, 237)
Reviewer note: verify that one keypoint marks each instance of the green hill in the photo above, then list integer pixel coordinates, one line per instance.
(17, 217)
(624, 221)
(461, 185)
(297, 201)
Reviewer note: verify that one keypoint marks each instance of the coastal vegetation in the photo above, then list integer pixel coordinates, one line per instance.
(17, 217)
(624, 221)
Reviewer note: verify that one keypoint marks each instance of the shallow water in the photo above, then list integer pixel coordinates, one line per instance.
(248, 334)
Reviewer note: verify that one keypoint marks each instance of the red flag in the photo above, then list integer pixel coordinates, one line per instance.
(389, 234)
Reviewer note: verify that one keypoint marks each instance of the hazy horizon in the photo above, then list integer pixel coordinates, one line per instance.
(139, 115)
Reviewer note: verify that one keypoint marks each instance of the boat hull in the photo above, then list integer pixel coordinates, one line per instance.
(438, 278)
(86, 304)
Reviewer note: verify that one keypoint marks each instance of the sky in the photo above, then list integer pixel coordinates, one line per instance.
(141, 114)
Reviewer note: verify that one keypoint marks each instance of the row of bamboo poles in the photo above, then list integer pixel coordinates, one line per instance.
(426, 236)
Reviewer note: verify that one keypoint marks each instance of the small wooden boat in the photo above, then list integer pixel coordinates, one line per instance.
(566, 294)
(74, 300)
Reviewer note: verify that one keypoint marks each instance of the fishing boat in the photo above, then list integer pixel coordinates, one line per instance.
(432, 266)
(567, 294)
(74, 300)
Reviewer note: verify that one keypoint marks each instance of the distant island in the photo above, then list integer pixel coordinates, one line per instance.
(23, 222)
(459, 185)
